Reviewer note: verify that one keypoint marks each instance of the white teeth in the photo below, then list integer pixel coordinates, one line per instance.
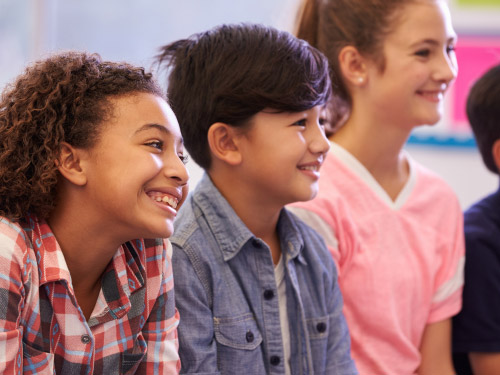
(310, 168)
(166, 199)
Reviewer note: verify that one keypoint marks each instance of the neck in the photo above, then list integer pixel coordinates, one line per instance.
(259, 215)
(86, 260)
(378, 146)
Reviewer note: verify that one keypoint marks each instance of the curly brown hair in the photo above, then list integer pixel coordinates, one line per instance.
(63, 98)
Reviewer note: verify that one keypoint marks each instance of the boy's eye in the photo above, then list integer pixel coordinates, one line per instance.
(301, 122)
(322, 121)
(423, 53)
(450, 49)
(184, 158)
(156, 144)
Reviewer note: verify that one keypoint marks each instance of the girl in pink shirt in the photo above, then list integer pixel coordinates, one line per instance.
(393, 227)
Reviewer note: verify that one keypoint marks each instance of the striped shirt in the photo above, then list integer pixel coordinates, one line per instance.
(132, 329)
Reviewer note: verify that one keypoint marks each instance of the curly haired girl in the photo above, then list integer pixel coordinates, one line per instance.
(91, 169)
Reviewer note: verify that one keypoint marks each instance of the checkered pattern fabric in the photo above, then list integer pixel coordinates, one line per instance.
(132, 330)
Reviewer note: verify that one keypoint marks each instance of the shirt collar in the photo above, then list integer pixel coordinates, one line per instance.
(49, 256)
(124, 275)
(230, 232)
(291, 237)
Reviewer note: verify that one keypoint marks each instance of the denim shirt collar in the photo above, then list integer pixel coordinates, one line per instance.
(230, 231)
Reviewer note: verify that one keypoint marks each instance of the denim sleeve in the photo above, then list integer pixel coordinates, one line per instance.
(197, 345)
(339, 341)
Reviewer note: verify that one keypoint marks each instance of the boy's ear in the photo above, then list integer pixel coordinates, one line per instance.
(223, 143)
(496, 153)
(69, 164)
(353, 66)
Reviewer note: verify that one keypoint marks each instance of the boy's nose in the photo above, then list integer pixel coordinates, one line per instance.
(319, 142)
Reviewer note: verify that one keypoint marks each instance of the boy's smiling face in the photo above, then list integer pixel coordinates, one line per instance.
(282, 153)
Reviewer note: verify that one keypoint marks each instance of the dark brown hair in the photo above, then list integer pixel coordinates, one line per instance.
(232, 72)
(330, 25)
(60, 99)
(483, 112)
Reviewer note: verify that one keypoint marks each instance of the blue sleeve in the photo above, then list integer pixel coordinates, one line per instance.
(197, 345)
(477, 326)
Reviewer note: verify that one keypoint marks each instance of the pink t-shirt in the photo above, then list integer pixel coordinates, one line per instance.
(400, 262)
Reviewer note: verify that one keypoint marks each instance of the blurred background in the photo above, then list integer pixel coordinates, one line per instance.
(132, 30)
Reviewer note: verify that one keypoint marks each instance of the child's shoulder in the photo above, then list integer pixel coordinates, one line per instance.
(16, 249)
(301, 227)
(185, 224)
(484, 215)
(427, 177)
(206, 214)
(313, 241)
(431, 189)
(13, 238)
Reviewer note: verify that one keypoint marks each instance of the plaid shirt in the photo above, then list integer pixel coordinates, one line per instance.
(132, 330)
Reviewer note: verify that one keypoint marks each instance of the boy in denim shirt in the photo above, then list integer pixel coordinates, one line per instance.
(255, 287)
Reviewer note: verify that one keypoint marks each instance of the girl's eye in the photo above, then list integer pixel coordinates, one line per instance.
(184, 158)
(423, 53)
(156, 144)
(322, 121)
(450, 49)
(301, 122)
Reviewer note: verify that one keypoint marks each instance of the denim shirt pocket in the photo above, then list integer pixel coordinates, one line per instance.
(319, 331)
(36, 361)
(238, 332)
(319, 327)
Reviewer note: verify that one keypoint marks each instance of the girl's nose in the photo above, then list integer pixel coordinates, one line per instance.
(447, 68)
(176, 169)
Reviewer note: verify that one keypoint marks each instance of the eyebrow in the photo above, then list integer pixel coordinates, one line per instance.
(435, 42)
(159, 127)
(153, 126)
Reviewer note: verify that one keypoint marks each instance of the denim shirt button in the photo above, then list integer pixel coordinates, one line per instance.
(249, 336)
(256, 243)
(321, 327)
(268, 294)
(275, 360)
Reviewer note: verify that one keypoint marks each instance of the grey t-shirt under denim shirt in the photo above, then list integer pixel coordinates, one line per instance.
(226, 294)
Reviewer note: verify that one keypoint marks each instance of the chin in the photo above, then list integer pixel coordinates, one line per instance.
(164, 231)
(428, 120)
(307, 197)
(432, 121)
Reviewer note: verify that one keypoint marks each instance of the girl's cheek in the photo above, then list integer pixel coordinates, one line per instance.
(157, 160)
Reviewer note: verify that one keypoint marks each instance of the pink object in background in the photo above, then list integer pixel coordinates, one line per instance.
(475, 55)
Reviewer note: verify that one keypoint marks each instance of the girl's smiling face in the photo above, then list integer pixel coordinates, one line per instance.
(420, 65)
(136, 175)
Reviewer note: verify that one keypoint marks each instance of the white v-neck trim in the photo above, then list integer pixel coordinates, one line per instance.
(359, 169)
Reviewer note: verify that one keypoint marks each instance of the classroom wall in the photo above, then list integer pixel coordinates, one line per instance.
(133, 30)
